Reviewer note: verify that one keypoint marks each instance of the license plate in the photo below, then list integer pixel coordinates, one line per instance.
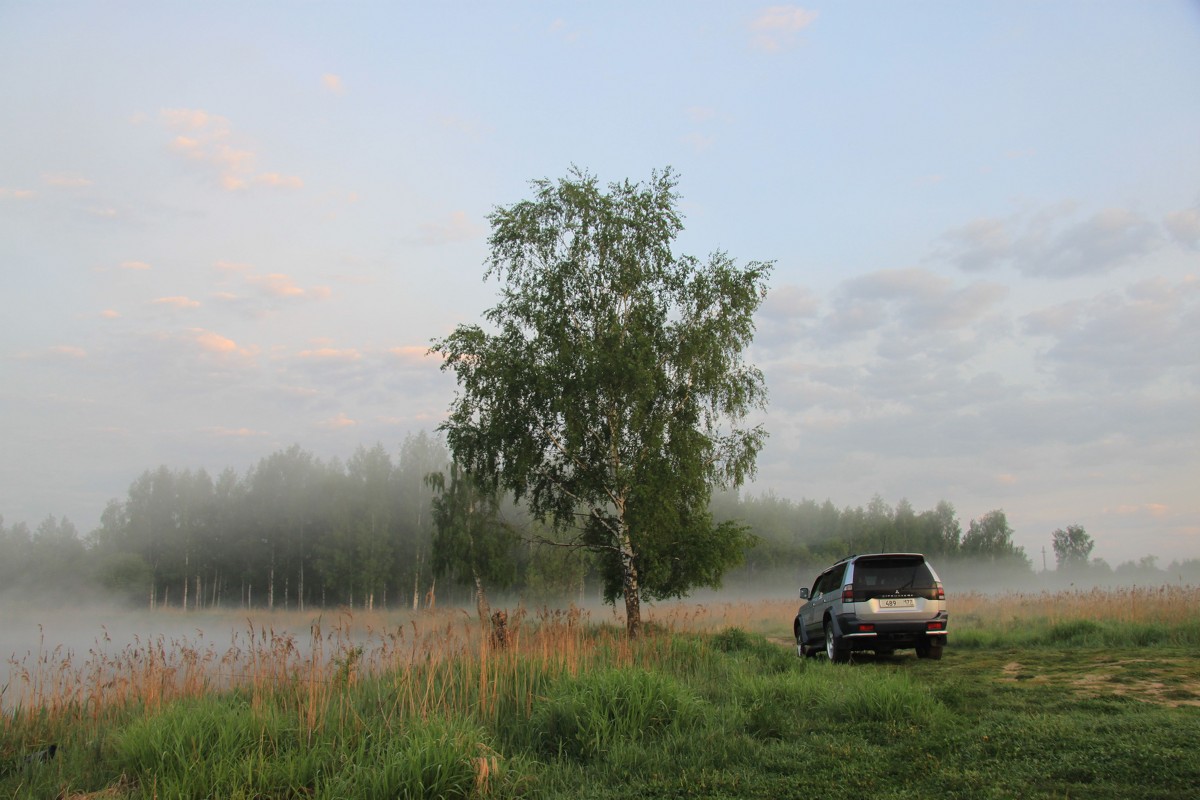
(897, 602)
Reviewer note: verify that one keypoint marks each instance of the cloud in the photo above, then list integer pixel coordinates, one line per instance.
(1154, 510)
(67, 180)
(231, 266)
(458, 227)
(564, 30)
(698, 142)
(68, 351)
(208, 139)
(216, 344)
(332, 83)
(901, 313)
(923, 300)
(110, 313)
(1146, 334)
(136, 266)
(1051, 244)
(414, 355)
(178, 301)
(1184, 227)
(15, 194)
(275, 179)
(276, 284)
(332, 354)
(776, 28)
(338, 422)
(236, 433)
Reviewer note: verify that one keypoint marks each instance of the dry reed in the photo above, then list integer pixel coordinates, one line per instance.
(440, 662)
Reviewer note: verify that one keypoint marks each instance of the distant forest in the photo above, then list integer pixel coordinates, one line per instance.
(296, 532)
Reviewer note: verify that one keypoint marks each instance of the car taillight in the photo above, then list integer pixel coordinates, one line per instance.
(937, 588)
(865, 628)
(848, 593)
(934, 626)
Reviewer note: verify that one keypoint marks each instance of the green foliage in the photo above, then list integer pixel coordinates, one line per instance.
(434, 759)
(1072, 548)
(208, 747)
(613, 385)
(709, 716)
(1105, 633)
(585, 717)
(471, 542)
(990, 538)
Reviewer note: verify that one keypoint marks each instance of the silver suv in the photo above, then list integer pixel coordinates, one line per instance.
(881, 602)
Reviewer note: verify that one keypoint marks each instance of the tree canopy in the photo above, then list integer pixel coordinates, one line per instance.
(610, 391)
(1072, 547)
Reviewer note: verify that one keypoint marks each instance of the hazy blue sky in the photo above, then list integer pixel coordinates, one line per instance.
(230, 227)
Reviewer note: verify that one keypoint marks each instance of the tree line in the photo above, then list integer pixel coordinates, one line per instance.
(379, 530)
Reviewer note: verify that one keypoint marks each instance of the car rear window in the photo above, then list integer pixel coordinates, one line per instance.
(891, 574)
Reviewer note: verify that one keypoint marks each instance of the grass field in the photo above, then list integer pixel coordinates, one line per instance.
(1084, 694)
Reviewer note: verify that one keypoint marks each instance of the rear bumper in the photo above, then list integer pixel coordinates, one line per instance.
(893, 634)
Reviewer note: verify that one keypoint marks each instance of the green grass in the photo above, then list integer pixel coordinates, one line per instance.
(1064, 710)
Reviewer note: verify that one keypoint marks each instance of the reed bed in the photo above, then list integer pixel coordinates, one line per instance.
(311, 707)
(315, 659)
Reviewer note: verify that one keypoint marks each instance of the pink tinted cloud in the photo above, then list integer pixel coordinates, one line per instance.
(178, 301)
(135, 266)
(278, 284)
(333, 83)
(413, 355)
(338, 422)
(217, 344)
(208, 139)
(69, 351)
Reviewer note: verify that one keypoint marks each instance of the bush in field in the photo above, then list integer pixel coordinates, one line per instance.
(586, 716)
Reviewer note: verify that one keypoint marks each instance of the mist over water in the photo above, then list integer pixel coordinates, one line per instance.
(44, 635)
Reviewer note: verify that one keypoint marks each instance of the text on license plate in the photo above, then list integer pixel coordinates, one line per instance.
(897, 602)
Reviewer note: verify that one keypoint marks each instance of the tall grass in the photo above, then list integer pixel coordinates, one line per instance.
(371, 705)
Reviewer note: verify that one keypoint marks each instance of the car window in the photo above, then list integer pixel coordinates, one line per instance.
(893, 574)
(831, 581)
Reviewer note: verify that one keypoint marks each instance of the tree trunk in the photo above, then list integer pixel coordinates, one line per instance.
(481, 602)
(417, 586)
(629, 587)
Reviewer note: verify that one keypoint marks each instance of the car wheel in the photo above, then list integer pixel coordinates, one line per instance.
(834, 648)
(931, 651)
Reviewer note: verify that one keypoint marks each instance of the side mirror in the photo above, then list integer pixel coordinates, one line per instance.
(804, 593)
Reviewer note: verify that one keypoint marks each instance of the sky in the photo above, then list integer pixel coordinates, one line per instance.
(227, 228)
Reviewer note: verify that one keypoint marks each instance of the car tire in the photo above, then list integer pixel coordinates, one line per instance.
(931, 651)
(834, 648)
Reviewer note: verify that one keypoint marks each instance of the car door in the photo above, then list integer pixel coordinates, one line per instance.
(824, 591)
